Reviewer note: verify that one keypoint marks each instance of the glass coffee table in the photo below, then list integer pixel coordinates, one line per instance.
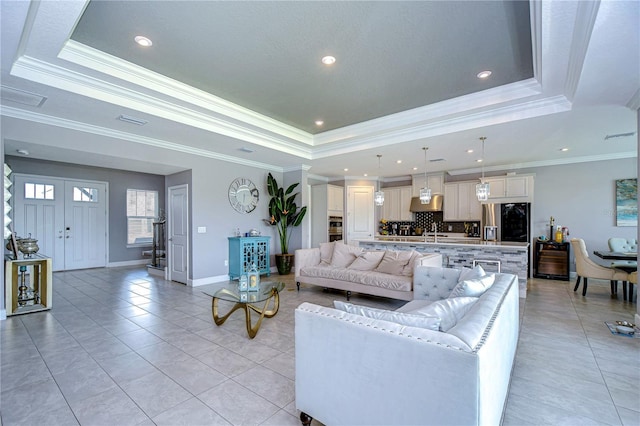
(267, 292)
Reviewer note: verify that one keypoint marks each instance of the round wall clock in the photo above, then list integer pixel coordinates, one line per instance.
(243, 195)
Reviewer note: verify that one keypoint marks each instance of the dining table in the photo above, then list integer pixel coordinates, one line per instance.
(614, 255)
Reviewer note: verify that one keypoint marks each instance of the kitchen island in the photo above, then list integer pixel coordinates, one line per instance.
(512, 257)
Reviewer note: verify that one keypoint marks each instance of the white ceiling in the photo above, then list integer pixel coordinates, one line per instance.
(227, 75)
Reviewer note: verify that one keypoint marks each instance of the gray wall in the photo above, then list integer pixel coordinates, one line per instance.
(119, 181)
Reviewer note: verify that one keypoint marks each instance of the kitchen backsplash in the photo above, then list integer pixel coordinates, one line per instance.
(425, 221)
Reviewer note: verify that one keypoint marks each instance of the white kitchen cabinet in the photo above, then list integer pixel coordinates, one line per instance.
(434, 182)
(335, 198)
(460, 202)
(510, 188)
(397, 202)
(327, 208)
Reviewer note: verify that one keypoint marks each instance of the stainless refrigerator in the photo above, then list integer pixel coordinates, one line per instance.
(513, 220)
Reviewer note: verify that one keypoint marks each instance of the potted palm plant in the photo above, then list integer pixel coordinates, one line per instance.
(284, 214)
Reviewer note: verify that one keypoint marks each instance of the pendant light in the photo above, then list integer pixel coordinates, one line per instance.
(482, 189)
(378, 197)
(425, 193)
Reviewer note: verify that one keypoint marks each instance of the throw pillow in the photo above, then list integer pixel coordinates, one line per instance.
(367, 261)
(474, 287)
(408, 269)
(393, 262)
(344, 255)
(326, 252)
(450, 311)
(411, 320)
(469, 273)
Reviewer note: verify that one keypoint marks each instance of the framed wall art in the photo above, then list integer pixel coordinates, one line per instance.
(627, 202)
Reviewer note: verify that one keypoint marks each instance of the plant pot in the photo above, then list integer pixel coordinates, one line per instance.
(284, 263)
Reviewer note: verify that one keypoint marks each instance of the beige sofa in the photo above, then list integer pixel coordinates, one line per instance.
(352, 269)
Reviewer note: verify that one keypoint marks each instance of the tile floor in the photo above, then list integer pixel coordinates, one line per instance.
(121, 347)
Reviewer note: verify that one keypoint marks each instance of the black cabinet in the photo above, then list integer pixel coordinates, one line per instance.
(551, 260)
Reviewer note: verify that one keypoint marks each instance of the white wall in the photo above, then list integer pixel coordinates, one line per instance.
(582, 197)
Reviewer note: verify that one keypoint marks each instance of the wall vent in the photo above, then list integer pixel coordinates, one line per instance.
(132, 120)
(22, 97)
(619, 135)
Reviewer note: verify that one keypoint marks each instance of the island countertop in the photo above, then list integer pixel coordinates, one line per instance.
(494, 256)
(444, 241)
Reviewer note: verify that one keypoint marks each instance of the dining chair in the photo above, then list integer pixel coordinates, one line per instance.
(587, 268)
(623, 245)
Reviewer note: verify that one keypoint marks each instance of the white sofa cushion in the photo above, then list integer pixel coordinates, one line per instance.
(473, 287)
(409, 267)
(344, 255)
(367, 261)
(471, 273)
(326, 252)
(393, 262)
(450, 311)
(421, 321)
(372, 278)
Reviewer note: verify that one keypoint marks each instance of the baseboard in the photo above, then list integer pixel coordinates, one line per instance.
(208, 280)
(127, 263)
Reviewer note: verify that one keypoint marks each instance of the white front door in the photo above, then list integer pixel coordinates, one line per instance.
(68, 218)
(360, 213)
(178, 231)
(85, 225)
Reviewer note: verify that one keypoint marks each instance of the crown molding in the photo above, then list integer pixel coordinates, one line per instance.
(296, 168)
(434, 113)
(586, 14)
(558, 162)
(53, 75)
(519, 111)
(129, 137)
(105, 63)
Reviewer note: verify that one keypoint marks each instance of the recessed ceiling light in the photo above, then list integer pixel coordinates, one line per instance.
(469, 151)
(484, 74)
(398, 161)
(415, 168)
(319, 123)
(143, 41)
(346, 170)
(564, 149)
(479, 160)
(328, 60)
(22, 151)
(366, 174)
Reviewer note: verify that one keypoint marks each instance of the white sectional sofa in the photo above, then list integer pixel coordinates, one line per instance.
(344, 267)
(364, 370)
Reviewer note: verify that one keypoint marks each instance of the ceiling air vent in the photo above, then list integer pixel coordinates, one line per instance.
(132, 120)
(619, 135)
(22, 97)
(436, 160)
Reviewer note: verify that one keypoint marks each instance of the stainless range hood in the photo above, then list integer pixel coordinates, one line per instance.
(435, 205)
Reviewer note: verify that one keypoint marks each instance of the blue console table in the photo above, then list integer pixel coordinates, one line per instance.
(244, 251)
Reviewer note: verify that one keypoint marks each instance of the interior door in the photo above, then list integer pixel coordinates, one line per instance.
(178, 231)
(360, 213)
(68, 218)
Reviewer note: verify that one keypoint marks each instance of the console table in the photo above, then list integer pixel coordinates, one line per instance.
(245, 251)
(24, 295)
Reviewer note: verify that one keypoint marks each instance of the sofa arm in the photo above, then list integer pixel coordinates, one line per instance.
(392, 374)
(429, 259)
(306, 257)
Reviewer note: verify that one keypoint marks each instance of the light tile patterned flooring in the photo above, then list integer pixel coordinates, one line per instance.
(121, 347)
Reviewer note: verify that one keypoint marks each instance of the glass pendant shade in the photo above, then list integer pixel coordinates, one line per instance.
(425, 195)
(482, 191)
(378, 198)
